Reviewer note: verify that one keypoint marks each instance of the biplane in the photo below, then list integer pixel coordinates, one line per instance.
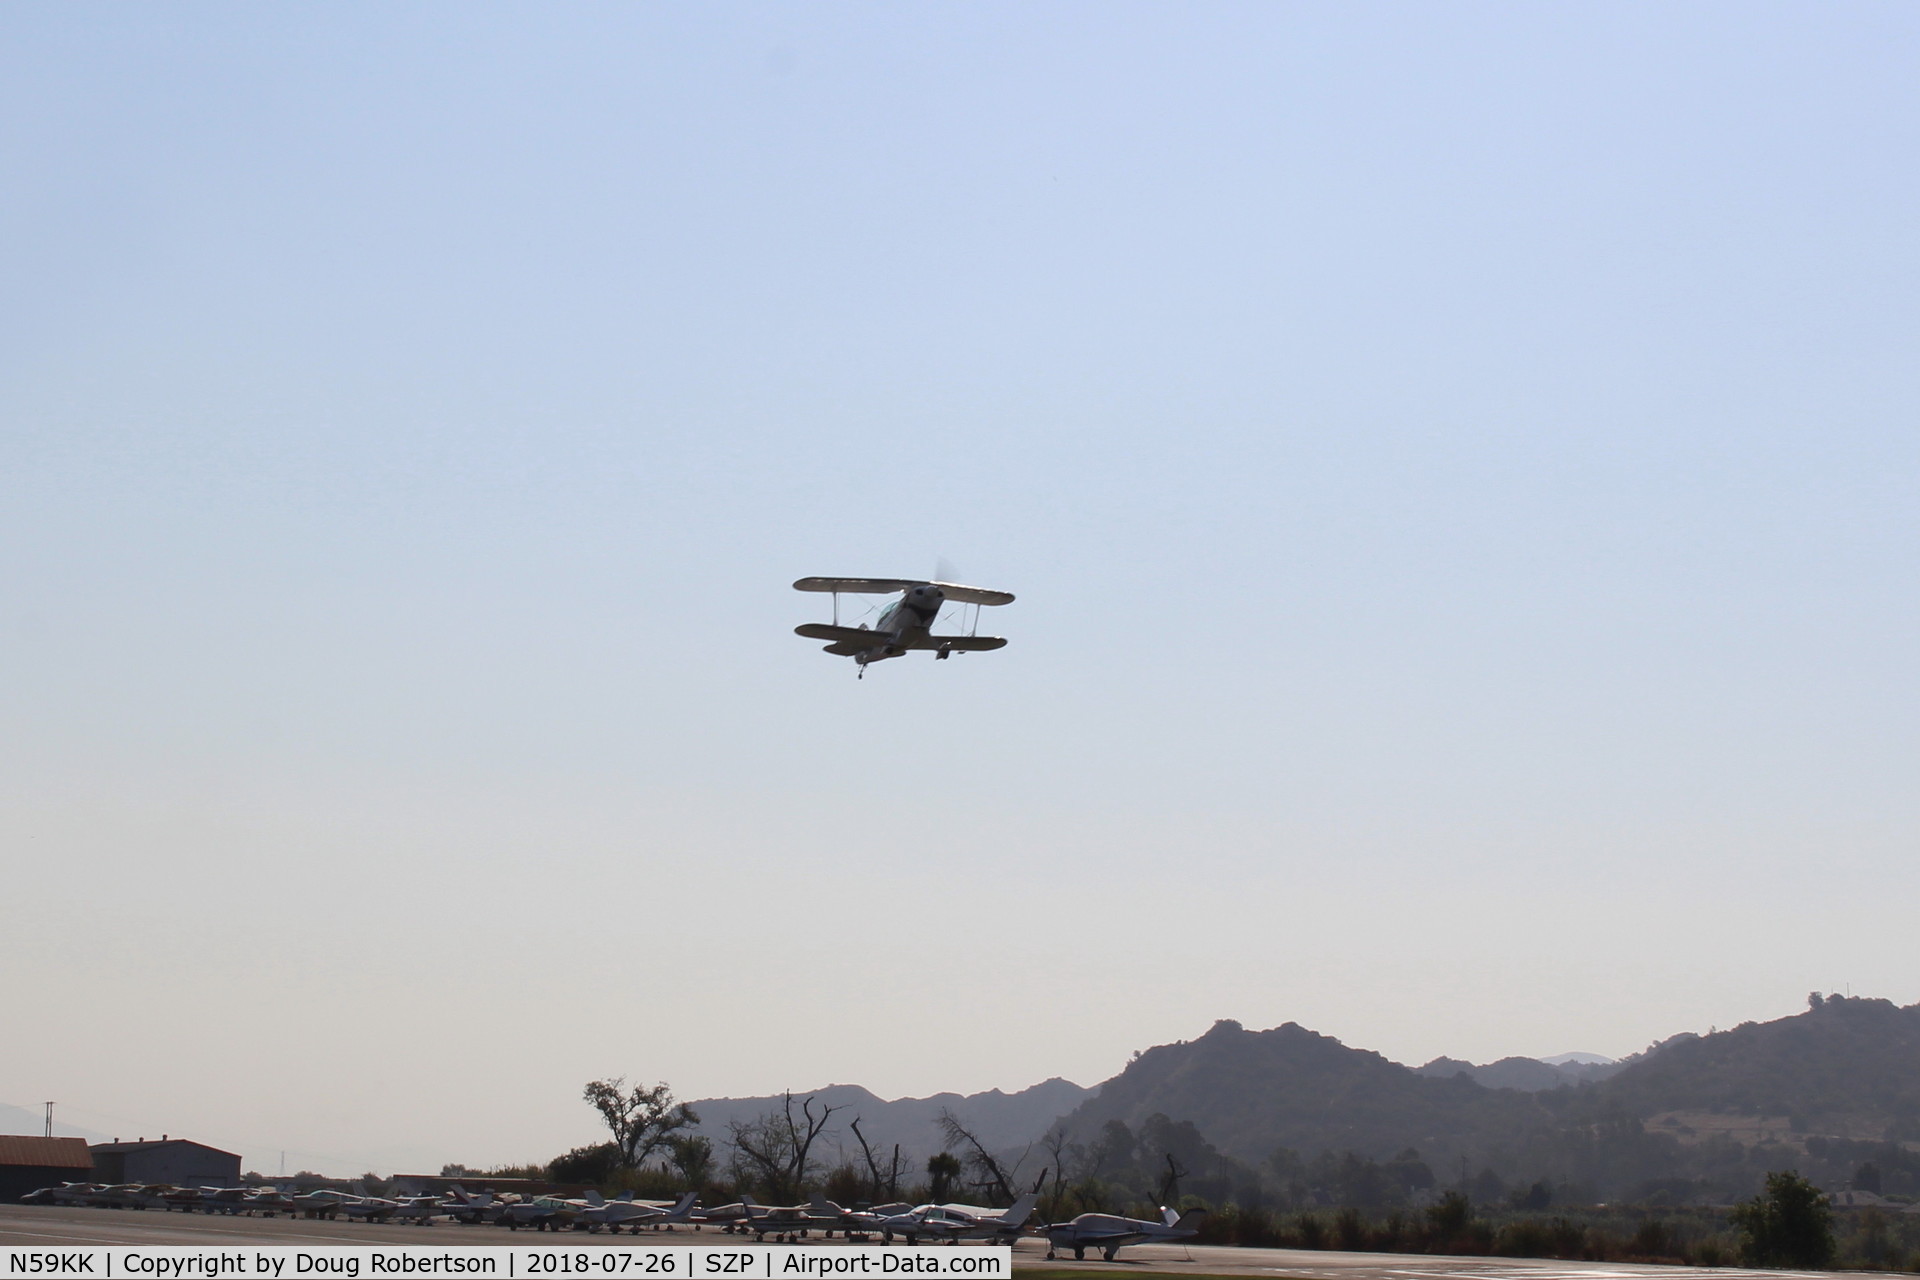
(905, 624)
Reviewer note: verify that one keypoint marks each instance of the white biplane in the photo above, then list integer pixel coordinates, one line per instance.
(905, 624)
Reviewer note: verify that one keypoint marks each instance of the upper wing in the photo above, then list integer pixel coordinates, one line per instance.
(954, 591)
(975, 643)
(856, 586)
(972, 595)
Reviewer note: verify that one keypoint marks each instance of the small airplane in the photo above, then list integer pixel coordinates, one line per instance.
(467, 1208)
(786, 1222)
(655, 1214)
(633, 1214)
(1107, 1232)
(905, 624)
(956, 1222)
(544, 1213)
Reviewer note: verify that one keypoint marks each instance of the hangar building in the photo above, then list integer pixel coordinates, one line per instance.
(27, 1164)
(172, 1160)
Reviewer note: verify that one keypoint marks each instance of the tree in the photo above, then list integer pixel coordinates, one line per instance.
(595, 1164)
(1787, 1225)
(776, 1150)
(692, 1155)
(640, 1119)
(885, 1185)
(990, 1175)
(941, 1171)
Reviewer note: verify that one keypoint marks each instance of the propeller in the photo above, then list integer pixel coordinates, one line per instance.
(944, 571)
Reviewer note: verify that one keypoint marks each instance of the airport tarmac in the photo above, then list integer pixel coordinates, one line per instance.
(38, 1226)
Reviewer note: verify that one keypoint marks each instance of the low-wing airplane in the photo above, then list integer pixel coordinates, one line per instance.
(905, 624)
(1107, 1232)
(957, 1222)
(633, 1214)
(468, 1208)
(323, 1202)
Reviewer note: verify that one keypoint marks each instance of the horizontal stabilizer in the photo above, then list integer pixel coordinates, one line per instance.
(964, 644)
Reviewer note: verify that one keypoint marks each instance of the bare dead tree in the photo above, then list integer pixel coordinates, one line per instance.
(1170, 1185)
(777, 1148)
(873, 1167)
(1055, 1145)
(990, 1174)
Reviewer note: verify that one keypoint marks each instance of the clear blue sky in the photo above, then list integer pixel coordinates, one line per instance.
(1457, 464)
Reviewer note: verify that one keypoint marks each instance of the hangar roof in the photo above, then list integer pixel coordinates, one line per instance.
(45, 1153)
(144, 1145)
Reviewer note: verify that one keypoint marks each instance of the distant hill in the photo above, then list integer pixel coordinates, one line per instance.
(1253, 1092)
(1694, 1117)
(1527, 1074)
(1580, 1059)
(1848, 1068)
(1003, 1121)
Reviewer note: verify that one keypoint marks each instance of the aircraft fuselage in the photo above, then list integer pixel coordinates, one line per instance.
(909, 618)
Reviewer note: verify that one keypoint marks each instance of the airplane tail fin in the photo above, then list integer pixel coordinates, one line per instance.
(823, 1206)
(686, 1202)
(1188, 1221)
(593, 1197)
(1022, 1209)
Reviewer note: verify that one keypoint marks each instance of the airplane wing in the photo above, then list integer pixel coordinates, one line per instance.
(1092, 1239)
(843, 635)
(857, 586)
(954, 591)
(977, 644)
(959, 594)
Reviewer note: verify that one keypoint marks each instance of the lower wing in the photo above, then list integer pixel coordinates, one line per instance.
(962, 643)
(855, 636)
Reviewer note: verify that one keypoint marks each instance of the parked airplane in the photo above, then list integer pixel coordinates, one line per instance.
(324, 1202)
(733, 1217)
(956, 1222)
(421, 1210)
(630, 1213)
(782, 1221)
(905, 624)
(1108, 1232)
(367, 1208)
(684, 1210)
(468, 1208)
(543, 1213)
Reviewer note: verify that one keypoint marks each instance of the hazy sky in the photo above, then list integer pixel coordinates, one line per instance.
(1457, 463)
